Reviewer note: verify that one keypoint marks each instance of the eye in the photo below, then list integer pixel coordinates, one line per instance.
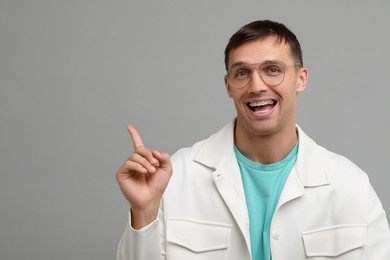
(241, 73)
(272, 70)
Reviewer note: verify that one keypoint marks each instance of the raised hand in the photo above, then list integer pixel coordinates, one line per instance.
(143, 179)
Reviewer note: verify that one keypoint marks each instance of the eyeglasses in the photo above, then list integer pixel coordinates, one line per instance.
(272, 73)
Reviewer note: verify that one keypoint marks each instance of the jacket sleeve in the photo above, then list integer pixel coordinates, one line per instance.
(146, 243)
(378, 234)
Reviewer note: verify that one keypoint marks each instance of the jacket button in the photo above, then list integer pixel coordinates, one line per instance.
(276, 236)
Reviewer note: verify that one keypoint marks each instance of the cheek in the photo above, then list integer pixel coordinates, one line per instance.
(290, 100)
(286, 98)
(235, 94)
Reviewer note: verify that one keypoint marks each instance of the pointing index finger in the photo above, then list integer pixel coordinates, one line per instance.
(137, 141)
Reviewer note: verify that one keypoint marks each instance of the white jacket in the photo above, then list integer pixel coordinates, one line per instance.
(327, 210)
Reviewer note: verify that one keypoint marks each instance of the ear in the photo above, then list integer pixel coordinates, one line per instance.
(228, 89)
(303, 76)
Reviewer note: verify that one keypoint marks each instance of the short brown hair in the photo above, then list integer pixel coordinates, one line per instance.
(259, 30)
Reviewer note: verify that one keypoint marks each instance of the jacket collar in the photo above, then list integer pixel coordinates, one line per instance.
(219, 149)
(310, 164)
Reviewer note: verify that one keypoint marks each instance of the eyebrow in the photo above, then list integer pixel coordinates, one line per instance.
(240, 63)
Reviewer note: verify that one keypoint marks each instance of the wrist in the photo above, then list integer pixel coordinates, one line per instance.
(143, 217)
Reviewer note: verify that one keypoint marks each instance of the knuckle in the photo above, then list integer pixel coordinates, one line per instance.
(145, 162)
(128, 163)
(140, 149)
(137, 159)
(132, 167)
(117, 176)
(133, 156)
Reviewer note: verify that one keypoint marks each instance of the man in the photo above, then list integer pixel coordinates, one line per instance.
(259, 188)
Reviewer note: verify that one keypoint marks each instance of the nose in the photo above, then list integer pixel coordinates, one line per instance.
(256, 83)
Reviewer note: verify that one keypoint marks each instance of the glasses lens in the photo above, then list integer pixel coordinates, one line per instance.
(272, 73)
(239, 76)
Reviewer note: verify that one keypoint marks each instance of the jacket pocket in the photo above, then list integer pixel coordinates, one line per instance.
(335, 242)
(191, 239)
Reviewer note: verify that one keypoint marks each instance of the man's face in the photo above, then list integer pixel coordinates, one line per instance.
(263, 109)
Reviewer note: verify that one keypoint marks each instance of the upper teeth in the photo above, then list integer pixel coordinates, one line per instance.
(261, 103)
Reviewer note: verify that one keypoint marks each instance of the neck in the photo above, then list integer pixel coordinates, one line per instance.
(266, 149)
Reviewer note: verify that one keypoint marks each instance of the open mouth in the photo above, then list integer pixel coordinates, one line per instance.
(262, 107)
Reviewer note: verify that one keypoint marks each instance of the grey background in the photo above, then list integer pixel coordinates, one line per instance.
(74, 73)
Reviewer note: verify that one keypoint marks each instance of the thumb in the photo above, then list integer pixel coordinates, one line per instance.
(164, 160)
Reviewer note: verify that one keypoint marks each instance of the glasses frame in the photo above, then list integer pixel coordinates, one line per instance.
(260, 73)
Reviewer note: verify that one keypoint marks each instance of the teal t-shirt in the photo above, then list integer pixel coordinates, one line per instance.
(263, 185)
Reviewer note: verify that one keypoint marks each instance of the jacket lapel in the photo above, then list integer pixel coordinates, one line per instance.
(218, 154)
(308, 170)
